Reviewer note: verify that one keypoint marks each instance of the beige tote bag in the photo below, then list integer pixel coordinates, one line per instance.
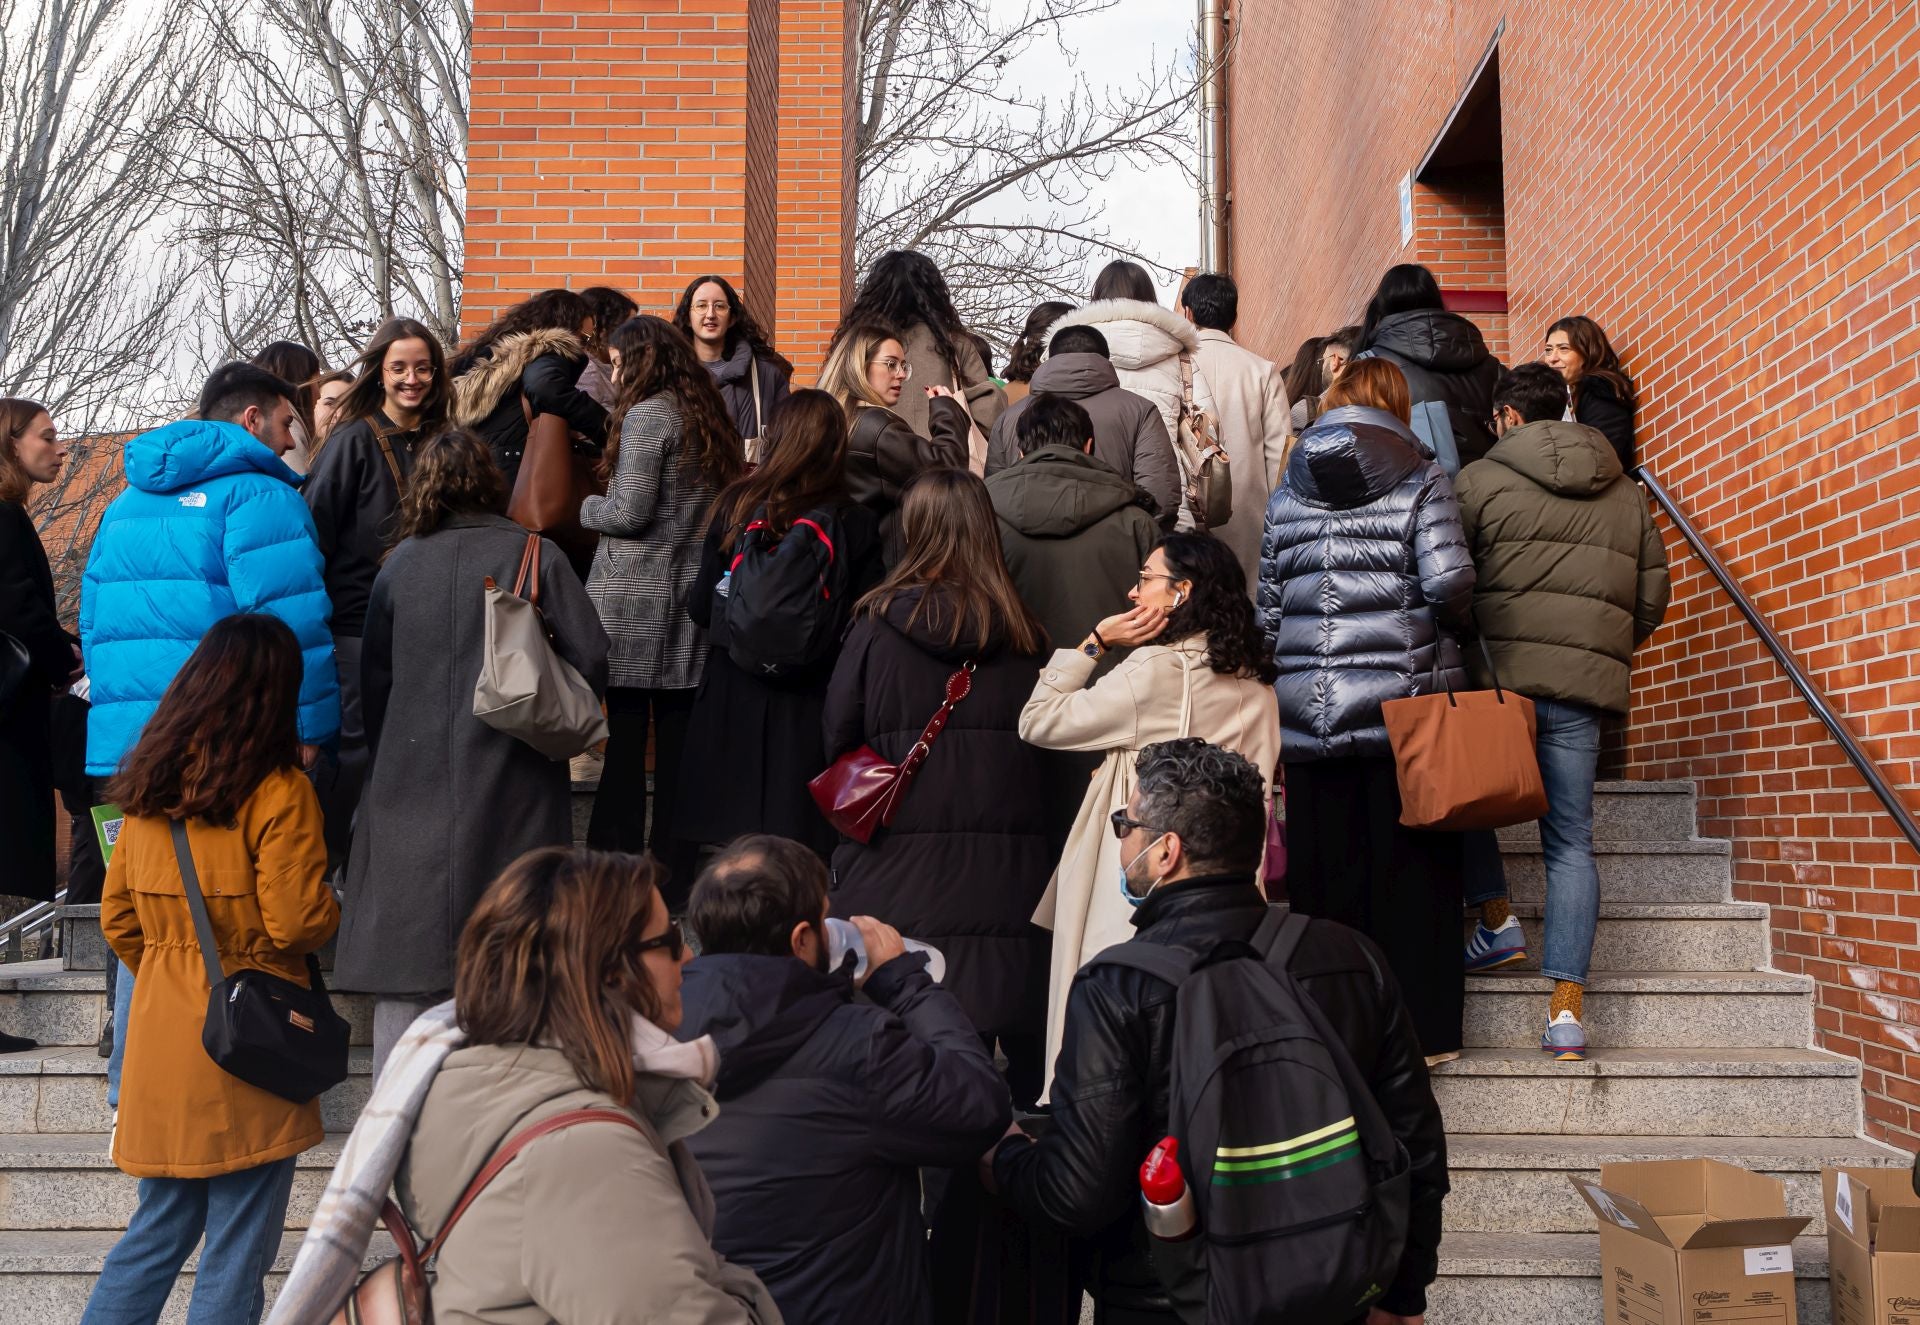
(526, 689)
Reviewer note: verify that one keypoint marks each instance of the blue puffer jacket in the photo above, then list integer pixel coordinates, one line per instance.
(211, 524)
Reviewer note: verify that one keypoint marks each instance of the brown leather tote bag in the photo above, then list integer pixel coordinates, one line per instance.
(553, 480)
(1465, 759)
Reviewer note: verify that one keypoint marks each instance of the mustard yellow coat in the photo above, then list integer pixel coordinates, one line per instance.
(181, 1116)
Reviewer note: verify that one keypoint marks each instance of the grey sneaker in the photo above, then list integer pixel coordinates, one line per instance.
(1565, 1038)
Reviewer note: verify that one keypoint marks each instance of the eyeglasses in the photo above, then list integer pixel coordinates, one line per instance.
(897, 368)
(1147, 575)
(1123, 825)
(673, 941)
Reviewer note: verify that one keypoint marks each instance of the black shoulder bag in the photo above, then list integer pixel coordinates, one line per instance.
(263, 1029)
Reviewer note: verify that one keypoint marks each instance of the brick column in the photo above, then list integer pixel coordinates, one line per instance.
(816, 176)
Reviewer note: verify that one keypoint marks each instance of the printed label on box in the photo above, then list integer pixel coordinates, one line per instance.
(1843, 1200)
(1770, 1260)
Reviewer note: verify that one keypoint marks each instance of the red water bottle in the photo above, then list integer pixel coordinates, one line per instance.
(1165, 1202)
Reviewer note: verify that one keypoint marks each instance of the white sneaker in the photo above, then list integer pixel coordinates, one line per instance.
(586, 767)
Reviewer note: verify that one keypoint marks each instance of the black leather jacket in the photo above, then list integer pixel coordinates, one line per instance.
(1111, 1083)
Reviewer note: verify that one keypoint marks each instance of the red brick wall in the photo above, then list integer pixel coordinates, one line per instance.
(1734, 192)
(611, 141)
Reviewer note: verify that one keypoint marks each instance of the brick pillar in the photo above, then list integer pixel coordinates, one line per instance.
(640, 144)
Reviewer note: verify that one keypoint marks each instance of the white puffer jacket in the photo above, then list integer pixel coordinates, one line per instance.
(1145, 342)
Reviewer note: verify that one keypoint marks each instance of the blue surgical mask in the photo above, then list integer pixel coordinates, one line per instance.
(1126, 889)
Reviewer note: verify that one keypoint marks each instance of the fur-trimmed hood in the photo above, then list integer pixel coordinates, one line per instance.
(1139, 334)
(479, 391)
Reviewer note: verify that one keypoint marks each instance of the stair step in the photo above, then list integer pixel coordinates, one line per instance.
(51, 1181)
(46, 1002)
(1649, 1009)
(1554, 1279)
(47, 1276)
(1656, 1092)
(1661, 936)
(1519, 1184)
(59, 1088)
(1631, 812)
(1675, 870)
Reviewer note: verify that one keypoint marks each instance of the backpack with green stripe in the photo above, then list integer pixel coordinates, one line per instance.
(1300, 1185)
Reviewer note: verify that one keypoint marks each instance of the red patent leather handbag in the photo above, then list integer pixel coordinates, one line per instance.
(860, 792)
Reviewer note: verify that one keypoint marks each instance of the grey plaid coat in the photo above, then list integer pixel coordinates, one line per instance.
(652, 521)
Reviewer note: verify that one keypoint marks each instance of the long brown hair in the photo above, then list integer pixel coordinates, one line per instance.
(300, 368)
(1374, 382)
(1597, 356)
(368, 395)
(453, 474)
(229, 718)
(805, 466)
(547, 958)
(953, 554)
(656, 360)
(16, 416)
(550, 310)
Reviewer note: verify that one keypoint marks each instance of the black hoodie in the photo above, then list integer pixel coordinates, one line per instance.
(829, 1105)
(1446, 362)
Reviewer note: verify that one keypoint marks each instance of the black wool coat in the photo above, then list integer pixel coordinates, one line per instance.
(829, 1106)
(969, 853)
(27, 612)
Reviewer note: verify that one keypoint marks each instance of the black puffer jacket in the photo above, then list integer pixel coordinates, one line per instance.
(1364, 573)
(967, 857)
(1111, 1085)
(733, 378)
(828, 1108)
(1446, 361)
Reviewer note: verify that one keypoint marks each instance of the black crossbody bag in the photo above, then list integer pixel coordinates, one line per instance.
(261, 1028)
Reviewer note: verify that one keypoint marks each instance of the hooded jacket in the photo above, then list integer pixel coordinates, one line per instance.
(544, 368)
(595, 1223)
(1074, 534)
(1364, 580)
(211, 514)
(1145, 342)
(733, 378)
(968, 854)
(1447, 364)
(829, 1105)
(1114, 1072)
(1128, 434)
(1572, 571)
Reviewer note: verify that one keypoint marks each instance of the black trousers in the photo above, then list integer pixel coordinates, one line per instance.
(620, 819)
(339, 781)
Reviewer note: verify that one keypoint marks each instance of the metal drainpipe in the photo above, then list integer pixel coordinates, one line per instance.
(1214, 198)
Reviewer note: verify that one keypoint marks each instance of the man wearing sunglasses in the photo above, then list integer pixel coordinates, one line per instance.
(1191, 839)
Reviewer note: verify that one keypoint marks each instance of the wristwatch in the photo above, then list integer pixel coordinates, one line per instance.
(1094, 647)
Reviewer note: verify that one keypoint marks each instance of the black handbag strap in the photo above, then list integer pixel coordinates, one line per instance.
(1440, 673)
(203, 924)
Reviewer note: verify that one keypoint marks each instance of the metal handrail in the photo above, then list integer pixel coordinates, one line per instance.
(36, 919)
(1816, 700)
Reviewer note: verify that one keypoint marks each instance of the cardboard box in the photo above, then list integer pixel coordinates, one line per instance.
(1873, 1246)
(1693, 1242)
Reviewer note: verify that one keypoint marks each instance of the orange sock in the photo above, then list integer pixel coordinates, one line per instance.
(1566, 998)
(1494, 912)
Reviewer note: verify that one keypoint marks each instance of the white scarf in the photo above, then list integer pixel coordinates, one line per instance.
(335, 1246)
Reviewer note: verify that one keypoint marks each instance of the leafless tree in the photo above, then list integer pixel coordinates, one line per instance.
(92, 95)
(993, 180)
(328, 178)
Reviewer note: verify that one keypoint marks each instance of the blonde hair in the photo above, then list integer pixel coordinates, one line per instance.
(845, 375)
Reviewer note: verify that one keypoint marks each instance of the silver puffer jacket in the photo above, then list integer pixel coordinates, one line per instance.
(1363, 574)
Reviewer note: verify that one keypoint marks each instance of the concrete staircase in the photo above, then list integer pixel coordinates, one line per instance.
(1703, 1051)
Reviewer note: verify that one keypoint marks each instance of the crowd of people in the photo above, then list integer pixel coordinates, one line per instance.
(1104, 715)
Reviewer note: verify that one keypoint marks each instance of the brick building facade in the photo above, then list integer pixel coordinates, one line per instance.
(1733, 191)
(638, 143)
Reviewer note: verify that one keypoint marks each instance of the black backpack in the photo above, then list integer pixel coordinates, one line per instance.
(1300, 1185)
(782, 605)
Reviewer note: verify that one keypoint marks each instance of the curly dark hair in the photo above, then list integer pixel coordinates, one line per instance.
(741, 324)
(454, 474)
(1215, 799)
(904, 290)
(556, 310)
(1031, 347)
(1219, 607)
(655, 359)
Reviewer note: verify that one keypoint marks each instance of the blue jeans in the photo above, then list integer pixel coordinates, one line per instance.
(122, 1020)
(242, 1215)
(1567, 743)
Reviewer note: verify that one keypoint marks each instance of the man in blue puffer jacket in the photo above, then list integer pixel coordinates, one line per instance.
(211, 524)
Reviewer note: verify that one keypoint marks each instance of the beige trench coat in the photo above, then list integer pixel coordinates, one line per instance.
(1157, 693)
(1250, 407)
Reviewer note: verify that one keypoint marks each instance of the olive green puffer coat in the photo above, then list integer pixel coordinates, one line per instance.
(1572, 572)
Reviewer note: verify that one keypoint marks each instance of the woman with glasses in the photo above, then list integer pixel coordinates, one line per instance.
(868, 372)
(1199, 667)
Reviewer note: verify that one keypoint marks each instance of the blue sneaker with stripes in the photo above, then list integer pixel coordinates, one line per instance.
(1565, 1038)
(1490, 949)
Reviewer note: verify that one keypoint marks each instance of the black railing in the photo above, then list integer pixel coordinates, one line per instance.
(1816, 700)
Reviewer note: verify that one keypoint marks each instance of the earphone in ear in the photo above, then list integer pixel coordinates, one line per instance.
(1179, 597)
